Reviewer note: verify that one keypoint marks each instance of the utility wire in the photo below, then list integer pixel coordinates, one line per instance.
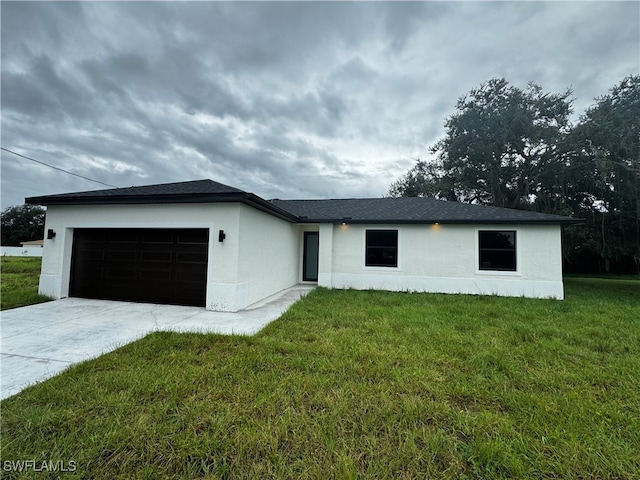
(56, 168)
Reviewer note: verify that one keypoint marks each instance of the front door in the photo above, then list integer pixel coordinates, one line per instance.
(310, 257)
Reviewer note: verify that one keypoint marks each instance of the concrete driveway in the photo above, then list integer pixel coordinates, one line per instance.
(39, 341)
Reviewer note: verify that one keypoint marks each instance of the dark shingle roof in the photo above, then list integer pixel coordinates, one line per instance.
(408, 210)
(351, 210)
(197, 191)
(196, 187)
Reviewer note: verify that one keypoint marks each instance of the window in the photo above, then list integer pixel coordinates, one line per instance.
(497, 250)
(381, 248)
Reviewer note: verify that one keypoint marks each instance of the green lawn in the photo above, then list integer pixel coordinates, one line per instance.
(359, 385)
(20, 276)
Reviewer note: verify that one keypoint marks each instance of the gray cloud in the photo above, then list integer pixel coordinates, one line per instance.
(288, 100)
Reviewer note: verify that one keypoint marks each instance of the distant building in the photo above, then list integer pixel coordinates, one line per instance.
(33, 243)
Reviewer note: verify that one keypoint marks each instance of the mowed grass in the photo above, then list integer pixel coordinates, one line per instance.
(19, 282)
(352, 384)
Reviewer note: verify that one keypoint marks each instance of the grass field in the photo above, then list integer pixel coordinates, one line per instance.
(359, 385)
(19, 285)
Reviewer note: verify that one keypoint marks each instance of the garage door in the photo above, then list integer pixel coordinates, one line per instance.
(140, 265)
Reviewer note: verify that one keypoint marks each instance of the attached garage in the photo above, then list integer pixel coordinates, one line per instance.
(141, 265)
(197, 243)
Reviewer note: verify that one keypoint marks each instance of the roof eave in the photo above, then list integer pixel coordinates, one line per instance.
(241, 197)
(268, 207)
(136, 199)
(339, 221)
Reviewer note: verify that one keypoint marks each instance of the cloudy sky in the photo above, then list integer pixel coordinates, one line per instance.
(285, 100)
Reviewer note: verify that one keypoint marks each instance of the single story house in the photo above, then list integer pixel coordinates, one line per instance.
(208, 244)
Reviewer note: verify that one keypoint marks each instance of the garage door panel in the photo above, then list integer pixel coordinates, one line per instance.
(145, 265)
(190, 277)
(192, 257)
(122, 236)
(127, 255)
(90, 255)
(156, 256)
(155, 275)
(158, 237)
(96, 236)
(123, 273)
(193, 236)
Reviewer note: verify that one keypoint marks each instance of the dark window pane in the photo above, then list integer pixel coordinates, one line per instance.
(497, 250)
(491, 239)
(381, 248)
(382, 238)
(383, 257)
(495, 260)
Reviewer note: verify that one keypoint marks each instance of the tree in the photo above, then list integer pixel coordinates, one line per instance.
(22, 223)
(425, 179)
(606, 191)
(499, 146)
(515, 148)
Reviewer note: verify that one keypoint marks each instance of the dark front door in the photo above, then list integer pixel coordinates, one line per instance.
(310, 257)
(140, 265)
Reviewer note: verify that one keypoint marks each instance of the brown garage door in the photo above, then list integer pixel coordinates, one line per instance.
(140, 265)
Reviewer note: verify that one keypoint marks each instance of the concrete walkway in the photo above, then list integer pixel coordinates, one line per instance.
(39, 341)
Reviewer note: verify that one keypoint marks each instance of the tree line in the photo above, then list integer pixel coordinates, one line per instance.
(516, 148)
(22, 223)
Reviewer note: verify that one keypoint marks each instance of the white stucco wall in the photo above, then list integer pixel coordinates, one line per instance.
(269, 254)
(258, 257)
(444, 258)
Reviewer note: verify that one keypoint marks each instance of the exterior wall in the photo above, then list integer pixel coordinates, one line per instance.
(26, 251)
(444, 258)
(222, 273)
(268, 255)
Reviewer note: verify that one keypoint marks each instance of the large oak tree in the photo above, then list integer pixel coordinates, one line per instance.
(499, 149)
(516, 148)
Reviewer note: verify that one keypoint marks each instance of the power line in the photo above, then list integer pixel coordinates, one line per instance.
(56, 168)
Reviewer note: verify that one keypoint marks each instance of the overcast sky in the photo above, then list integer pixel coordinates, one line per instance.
(285, 100)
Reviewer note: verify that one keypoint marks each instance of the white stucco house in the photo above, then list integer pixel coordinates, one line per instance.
(208, 244)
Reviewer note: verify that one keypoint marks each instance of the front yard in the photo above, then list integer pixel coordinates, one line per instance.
(20, 276)
(359, 385)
